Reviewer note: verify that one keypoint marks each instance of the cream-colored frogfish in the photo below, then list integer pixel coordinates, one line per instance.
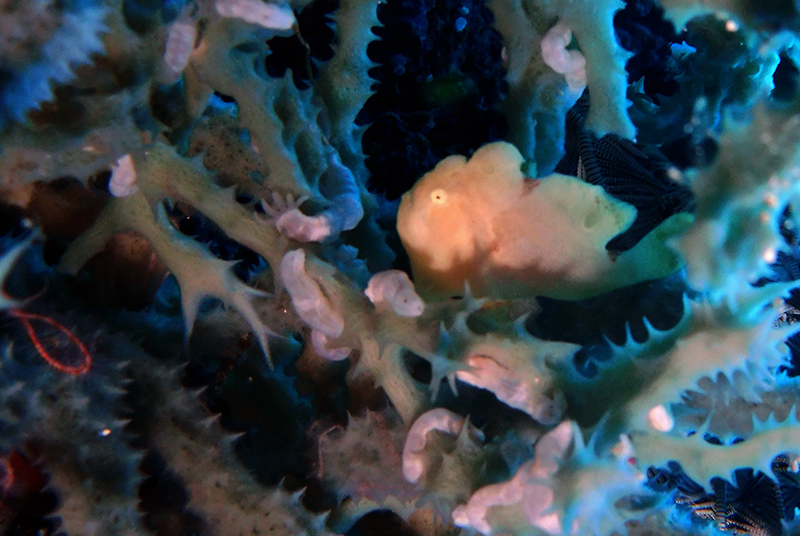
(481, 221)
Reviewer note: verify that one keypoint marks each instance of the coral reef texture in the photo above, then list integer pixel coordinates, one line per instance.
(399, 267)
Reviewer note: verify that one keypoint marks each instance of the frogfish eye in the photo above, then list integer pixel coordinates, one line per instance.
(439, 196)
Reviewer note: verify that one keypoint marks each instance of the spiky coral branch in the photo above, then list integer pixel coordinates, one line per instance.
(161, 174)
(230, 500)
(74, 427)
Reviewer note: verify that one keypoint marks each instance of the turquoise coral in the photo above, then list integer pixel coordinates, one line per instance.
(172, 119)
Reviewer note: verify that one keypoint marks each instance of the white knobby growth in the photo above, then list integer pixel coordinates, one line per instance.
(292, 223)
(794, 464)
(660, 419)
(570, 63)
(270, 16)
(297, 226)
(123, 177)
(320, 342)
(309, 302)
(436, 419)
(343, 213)
(394, 287)
(473, 514)
(180, 43)
(528, 486)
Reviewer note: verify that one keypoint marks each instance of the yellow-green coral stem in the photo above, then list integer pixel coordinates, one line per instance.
(217, 64)
(388, 368)
(166, 172)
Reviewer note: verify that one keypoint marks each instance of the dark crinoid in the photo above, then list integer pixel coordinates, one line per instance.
(689, 495)
(788, 480)
(634, 173)
(751, 505)
(439, 75)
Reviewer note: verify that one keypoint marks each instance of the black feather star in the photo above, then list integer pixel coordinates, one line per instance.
(788, 485)
(751, 505)
(634, 173)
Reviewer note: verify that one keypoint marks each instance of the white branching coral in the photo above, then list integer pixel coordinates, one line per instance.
(550, 453)
(123, 177)
(538, 100)
(321, 345)
(438, 419)
(570, 63)
(395, 288)
(343, 214)
(292, 223)
(312, 306)
(309, 302)
(563, 490)
(180, 44)
(271, 16)
(203, 456)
